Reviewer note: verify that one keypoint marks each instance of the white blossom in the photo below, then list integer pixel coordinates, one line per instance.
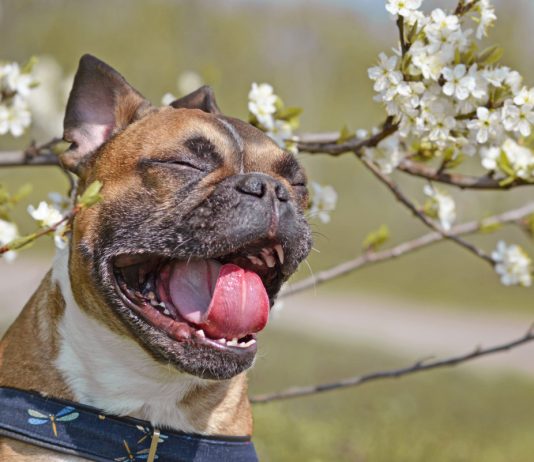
(487, 18)
(188, 82)
(167, 99)
(47, 101)
(404, 8)
(430, 65)
(385, 74)
(15, 80)
(489, 157)
(45, 214)
(60, 202)
(525, 96)
(8, 233)
(443, 205)
(496, 76)
(387, 155)
(518, 118)
(362, 134)
(480, 84)
(520, 158)
(443, 31)
(324, 200)
(458, 83)
(262, 103)
(487, 124)
(61, 240)
(280, 132)
(514, 80)
(512, 264)
(14, 118)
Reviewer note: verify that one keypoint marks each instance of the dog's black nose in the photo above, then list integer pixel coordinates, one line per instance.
(258, 184)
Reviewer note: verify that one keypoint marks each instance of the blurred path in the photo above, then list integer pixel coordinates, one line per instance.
(413, 331)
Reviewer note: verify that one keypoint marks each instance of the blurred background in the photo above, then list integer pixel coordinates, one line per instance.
(435, 302)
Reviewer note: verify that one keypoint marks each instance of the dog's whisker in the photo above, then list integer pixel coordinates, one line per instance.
(312, 275)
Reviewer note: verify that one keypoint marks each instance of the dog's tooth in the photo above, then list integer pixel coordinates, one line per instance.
(151, 295)
(162, 304)
(255, 260)
(166, 312)
(280, 252)
(200, 333)
(222, 341)
(266, 251)
(269, 261)
(249, 343)
(232, 342)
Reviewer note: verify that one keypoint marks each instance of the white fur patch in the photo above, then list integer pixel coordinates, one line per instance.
(112, 372)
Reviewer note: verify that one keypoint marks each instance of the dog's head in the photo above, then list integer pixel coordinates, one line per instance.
(200, 223)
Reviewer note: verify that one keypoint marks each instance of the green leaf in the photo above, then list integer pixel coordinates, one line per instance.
(91, 195)
(28, 67)
(504, 164)
(377, 238)
(412, 33)
(451, 158)
(488, 228)
(345, 135)
(289, 113)
(279, 104)
(529, 223)
(490, 55)
(4, 195)
(23, 192)
(430, 208)
(59, 148)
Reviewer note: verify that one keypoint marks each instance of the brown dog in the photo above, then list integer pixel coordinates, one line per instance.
(152, 310)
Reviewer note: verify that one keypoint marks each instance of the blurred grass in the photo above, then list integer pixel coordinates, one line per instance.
(443, 416)
(317, 57)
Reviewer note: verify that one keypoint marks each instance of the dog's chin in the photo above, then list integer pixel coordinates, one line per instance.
(203, 314)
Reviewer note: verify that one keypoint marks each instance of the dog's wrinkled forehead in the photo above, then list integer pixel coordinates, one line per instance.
(211, 143)
(111, 127)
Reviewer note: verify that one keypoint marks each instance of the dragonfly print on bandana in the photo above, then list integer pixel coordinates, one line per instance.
(67, 414)
(137, 455)
(147, 433)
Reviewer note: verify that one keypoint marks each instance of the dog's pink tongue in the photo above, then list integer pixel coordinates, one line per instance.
(226, 301)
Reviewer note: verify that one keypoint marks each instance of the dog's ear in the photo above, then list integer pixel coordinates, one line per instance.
(202, 99)
(101, 103)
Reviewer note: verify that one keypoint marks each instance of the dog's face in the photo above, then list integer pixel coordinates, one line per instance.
(200, 223)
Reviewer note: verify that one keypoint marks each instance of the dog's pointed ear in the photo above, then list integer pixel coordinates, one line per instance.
(202, 99)
(101, 103)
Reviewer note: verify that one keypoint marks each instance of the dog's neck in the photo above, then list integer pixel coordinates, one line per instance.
(98, 367)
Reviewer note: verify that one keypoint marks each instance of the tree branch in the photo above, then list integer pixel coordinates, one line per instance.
(370, 258)
(419, 366)
(34, 155)
(325, 143)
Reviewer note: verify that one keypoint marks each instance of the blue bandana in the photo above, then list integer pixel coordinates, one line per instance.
(73, 428)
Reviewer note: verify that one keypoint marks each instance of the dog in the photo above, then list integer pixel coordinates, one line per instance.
(152, 310)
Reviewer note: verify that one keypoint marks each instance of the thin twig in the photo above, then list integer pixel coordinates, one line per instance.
(419, 366)
(403, 199)
(370, 258)
(42, 232)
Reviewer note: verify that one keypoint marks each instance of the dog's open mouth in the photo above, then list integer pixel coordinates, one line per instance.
(221, 302)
